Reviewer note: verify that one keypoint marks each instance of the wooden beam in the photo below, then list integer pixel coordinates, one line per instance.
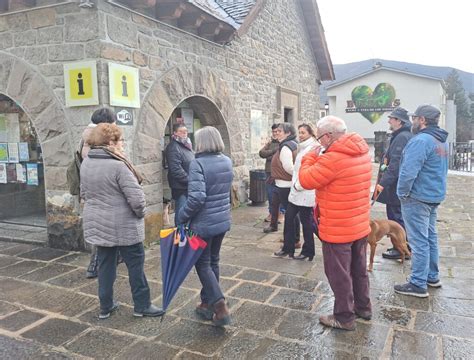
(224, 35)
(191, 20)
(169, 10)
(210, 29)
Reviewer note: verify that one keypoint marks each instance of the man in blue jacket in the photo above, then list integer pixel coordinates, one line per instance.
(386, 188)
(421, 188)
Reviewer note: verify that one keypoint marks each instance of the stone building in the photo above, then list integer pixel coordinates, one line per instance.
(237, 65)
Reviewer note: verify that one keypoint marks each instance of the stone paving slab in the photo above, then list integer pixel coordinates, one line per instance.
(275, 303)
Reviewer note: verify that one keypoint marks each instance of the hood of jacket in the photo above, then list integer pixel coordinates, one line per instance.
(435, 131)
(351, 144)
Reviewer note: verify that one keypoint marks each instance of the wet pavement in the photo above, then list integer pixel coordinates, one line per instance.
(48, 309)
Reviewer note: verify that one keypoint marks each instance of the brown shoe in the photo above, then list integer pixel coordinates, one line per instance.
(221, 313)
(268, 218)
(281, 218)
(330, 321)
(366, 315)
(204, 311)
(298, 245)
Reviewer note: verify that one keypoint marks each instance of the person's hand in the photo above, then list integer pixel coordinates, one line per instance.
(378, 189)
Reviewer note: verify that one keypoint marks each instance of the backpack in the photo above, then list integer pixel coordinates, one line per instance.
(73, 172)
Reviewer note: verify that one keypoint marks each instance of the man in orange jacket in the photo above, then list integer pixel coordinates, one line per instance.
(341, 175)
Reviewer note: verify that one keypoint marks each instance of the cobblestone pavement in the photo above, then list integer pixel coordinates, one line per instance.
(49, 310)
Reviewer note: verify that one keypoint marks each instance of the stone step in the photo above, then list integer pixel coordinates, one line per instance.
(35, 235)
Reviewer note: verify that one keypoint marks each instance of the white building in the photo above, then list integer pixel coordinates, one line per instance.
(364, 101)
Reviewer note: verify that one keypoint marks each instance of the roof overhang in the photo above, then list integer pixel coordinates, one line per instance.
(317, 38)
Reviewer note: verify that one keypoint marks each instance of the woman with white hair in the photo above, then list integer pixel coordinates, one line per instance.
(207, 210)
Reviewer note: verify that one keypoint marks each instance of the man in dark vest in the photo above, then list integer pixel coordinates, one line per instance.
(386, 189)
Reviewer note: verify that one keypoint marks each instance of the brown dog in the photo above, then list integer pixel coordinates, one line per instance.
(381, 228)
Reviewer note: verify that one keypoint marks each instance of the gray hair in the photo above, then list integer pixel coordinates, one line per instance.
(332, 124)
(208, 139)
(287, 128)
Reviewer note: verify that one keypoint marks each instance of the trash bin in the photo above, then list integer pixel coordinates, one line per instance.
(258, 193)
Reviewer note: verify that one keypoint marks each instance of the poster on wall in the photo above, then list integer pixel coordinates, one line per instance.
(11, 173)
(188, 118)
(24, 153)
(80, 83)
(32, 174)
(12, 127)
(3, 173)
(13, 154)
(20, 173)
(258, 131)
(3, 128)
(3, 152)
(124, 86)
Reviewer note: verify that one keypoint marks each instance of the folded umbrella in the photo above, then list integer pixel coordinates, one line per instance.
(180, 249)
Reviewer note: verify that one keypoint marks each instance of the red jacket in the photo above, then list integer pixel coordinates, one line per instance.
(341, 177)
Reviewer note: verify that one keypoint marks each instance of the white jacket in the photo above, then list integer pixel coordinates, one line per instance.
(298, 195)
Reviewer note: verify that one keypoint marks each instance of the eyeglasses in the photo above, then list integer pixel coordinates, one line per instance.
(323, 135)
(414, 117)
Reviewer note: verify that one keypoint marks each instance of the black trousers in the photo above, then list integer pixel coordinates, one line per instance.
(289, 231)
(134, 258)
(280, 196)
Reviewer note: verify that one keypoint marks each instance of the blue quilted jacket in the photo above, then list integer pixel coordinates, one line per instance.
(207, 207)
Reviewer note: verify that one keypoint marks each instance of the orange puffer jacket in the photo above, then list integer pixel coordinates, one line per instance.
(341, 177)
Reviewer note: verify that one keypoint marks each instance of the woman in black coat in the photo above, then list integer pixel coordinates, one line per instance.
(207, 210)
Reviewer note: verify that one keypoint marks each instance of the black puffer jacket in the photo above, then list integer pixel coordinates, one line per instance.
(392, 157)
(178, 158)
(207, 207)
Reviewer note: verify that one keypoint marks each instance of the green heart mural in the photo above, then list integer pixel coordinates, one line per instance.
(364, 97)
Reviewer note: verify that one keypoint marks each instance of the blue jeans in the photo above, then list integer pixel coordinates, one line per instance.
(178, 205)
(134, 258)
(207, 268)
(269, 188)
(420, 224)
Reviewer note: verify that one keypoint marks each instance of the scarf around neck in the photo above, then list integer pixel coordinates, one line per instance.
(185, 142)
(122, 158)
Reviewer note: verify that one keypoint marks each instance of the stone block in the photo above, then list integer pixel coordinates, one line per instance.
(115, 52)
(122, 32)
(148, 350)
(302, 326)
(294, 299)
(151, 172)
(445, 324)
(162, 104)
(6, 63)
(253, 292)
(454, 348)
(42, 18)
(3, 24)
(7, 308)
(140, 58)
(153, 225)
(55, 331)
(414, 345)
(19, 320)
(255, 275)
(153, 194)
(50, 35)
(51, 122)
(151, 123)
(148, 45)
(71, 280)
(6, 41)
(452, 306)
(8, 260)
(25, 38)
(100, 344)
(157, 63)
(21, 349)
(57, 151)
(146, 149)
(18, 22)
(36, 55)
(81, 27)
(37, 97)
(55, 177)
(296, 282)
(44, 254)
(257, 317)
(65, 52)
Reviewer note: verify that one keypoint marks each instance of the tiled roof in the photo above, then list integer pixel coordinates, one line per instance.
(214, 8)
(237, 9)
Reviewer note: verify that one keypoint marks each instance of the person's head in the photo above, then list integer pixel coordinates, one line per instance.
(424, 116)
(275, 131)
(208, 139)
(329, 129)
(398, 118)
(103, 115)
(305, 131)
(286, 129)
(180, 130)
(109, 135)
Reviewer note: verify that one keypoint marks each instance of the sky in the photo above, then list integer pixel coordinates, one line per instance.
(428, 32)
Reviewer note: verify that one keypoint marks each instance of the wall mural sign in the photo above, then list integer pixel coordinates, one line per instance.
(372, 104)
(80, 83)
(124, 86)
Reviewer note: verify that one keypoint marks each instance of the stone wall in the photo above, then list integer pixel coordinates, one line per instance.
(174, 65)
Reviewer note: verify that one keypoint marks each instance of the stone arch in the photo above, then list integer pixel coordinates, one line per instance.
(27, 87)
(189, 81)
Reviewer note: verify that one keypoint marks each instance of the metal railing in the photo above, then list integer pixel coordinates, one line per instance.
(461, 156)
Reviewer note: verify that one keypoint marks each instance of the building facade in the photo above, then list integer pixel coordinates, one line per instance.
(239, 66)
(364, 101)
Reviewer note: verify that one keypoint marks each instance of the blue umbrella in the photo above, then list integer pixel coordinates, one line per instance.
(180, 249)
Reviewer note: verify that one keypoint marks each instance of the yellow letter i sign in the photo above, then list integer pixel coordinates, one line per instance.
(124, 86)
(80, 83)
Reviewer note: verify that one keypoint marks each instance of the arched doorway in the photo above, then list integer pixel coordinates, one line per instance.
(22, 187)
(195, 112)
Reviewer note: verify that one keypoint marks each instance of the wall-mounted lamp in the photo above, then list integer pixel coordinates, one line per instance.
(326, 107)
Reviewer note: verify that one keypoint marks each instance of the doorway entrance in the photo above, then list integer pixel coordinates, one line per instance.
(22, 190)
